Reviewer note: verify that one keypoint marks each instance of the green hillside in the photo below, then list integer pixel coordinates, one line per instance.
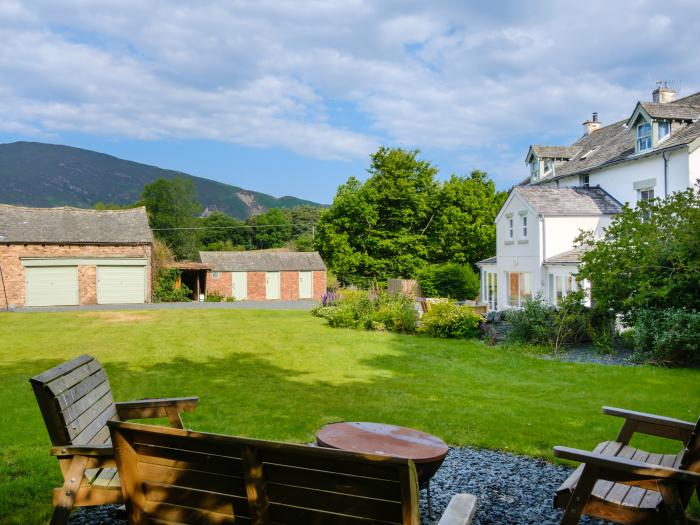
(37, 174)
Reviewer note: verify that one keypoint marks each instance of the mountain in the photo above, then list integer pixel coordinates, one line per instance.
(44, 175)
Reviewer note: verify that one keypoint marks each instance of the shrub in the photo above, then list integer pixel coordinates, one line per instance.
(668, 336)
(214, 297)
(452, 321)
(451, 280)
(370, 311)
(166, 291)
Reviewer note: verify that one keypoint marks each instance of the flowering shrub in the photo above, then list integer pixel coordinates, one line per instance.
(368, 310)
(452, 321)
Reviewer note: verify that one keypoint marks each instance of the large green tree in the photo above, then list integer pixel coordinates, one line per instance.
(220, 230)
(271, 229)
(463, 229)
(172, 208)
(649, 257)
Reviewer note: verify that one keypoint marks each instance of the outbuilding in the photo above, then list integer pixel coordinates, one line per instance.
(72, 256)
(265, 275)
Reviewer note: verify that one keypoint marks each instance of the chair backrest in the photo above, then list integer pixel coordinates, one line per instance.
(691, 455)
(76, 402)
(187, 477)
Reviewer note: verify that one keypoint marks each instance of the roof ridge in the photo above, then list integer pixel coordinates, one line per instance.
(69, 208)
(683, 98)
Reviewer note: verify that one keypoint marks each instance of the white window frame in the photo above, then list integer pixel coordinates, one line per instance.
(585, 180)
(524, 282)
(568, 285)
(490, 294)
(523, 221)
(535, 169)
(548, 166)
(511, 228)
(644, 141)
(667, 124)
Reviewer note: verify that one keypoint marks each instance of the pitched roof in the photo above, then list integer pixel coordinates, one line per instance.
(614, 143)
(571, 202)
(556, 152)
(568, 257)
(73, 226)
(490, 260)
(262, 260)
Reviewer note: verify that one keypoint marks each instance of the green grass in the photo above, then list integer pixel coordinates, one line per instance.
(282, 375)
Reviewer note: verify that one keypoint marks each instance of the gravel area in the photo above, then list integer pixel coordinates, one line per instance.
(587, 354)
(510, 489)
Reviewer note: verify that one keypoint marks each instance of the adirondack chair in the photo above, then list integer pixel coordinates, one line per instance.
(620, 483)
(184, 477)
(76, 402)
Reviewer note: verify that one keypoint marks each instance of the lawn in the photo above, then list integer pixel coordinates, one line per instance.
(282, 375)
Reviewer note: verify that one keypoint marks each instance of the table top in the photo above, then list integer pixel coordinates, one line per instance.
(384, 440)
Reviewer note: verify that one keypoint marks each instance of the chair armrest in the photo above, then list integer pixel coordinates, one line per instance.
(651, 424)
(152, 408)
(83, 450)
(460, 510)
(628, 469)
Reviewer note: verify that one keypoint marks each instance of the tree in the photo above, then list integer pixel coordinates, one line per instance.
(172, 206)
(271, 229)
(649, 257)
(463, 229)
(223, 230)
(303, 219)
(376, 230)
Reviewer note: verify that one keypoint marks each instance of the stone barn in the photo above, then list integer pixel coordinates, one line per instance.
(265, 275)
(72, 256)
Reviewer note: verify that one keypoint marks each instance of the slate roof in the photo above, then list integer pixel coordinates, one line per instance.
(262, 261)
(567, 257)
(490, 260)
(572, 202)
(73, 226)
(556, 152)
(614, 143)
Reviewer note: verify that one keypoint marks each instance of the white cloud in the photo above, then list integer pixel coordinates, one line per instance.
(453, 77)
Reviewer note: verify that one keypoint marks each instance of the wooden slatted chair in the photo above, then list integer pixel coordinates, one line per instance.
(76, 402)
(172, 476)
(624, 484)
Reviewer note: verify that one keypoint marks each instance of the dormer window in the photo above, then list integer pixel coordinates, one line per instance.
(548, 165)
(664, 129)
(644, 136)
(535, 169)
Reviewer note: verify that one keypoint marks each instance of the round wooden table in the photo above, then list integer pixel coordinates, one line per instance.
(427, 452)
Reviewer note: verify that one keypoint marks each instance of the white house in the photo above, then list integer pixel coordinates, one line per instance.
(575, 188)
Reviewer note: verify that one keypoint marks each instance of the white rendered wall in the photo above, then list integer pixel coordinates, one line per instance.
(560, 232)
(694, 167)
(618, 180)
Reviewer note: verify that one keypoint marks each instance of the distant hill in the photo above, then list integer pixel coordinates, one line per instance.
(44, 175)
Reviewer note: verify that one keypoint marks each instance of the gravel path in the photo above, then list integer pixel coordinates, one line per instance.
(587, 354)
(510, 489)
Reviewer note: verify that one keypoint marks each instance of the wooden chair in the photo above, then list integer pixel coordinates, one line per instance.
(173, 476)
(620, 483)
(76, 402)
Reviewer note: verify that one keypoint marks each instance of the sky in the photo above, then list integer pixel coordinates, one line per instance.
(291, 97)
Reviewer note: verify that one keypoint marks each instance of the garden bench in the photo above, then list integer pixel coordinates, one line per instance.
(76, 402)
(184, 477)
(628, 485)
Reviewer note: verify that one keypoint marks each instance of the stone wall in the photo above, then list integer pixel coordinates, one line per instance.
(13, 271)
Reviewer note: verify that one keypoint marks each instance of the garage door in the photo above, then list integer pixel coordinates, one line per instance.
(121, 284)
(51, 286)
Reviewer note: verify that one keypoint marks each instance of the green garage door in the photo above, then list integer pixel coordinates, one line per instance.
(121, 284)
(51, 285)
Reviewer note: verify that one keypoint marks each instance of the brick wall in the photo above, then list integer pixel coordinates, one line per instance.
(289, 284)
(256, 286)
(13, 271)
(222, 285)
(319, 287)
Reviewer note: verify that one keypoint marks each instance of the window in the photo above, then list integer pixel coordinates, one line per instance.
(215, 275)
(643, 136)
(491, 289)
(585, 180)
(519, 288)
(535, 169)
(524, 218)
(560, 286)
(644, 196)
(664, 129)
(510, 228)
(548, 165)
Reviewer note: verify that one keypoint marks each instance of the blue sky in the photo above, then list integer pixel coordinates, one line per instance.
(291, 97)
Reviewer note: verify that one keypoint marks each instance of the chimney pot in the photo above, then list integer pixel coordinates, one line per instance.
(591, 125)
(664, 93)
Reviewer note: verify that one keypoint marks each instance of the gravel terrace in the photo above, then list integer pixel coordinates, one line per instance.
(510, 489)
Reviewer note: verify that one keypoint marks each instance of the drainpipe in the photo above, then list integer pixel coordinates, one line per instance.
(665, 173)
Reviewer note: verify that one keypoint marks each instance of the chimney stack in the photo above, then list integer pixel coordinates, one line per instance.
(591, 125)
(664, 93)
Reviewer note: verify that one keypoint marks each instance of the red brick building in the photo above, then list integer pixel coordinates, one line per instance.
(265, 275)
(72, 256)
